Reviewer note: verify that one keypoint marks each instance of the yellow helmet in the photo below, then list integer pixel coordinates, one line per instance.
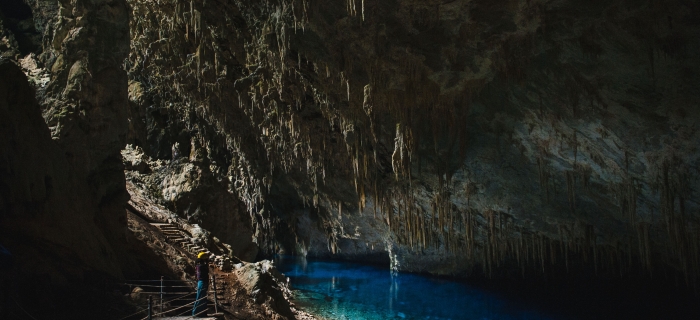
(202, 255)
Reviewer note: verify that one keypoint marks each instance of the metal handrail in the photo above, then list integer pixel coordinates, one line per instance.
(180, 307)
(22, 308)
(133, 314)
(161, 301)
(153, 286)
(154, 280)
(158, 292)
(180, 297)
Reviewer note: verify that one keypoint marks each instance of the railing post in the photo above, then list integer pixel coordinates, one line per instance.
(215, 298)
(161, 294)
(150, 307)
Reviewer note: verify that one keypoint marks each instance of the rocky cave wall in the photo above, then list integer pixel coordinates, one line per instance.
(63, 105)
(445, 136)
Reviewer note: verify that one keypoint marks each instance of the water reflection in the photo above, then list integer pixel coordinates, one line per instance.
(341, 290)
(300, 261)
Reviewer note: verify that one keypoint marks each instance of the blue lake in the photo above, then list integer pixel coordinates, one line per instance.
(343, 290)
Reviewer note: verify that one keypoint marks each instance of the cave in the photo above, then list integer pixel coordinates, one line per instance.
(357, 159)
(17, 17)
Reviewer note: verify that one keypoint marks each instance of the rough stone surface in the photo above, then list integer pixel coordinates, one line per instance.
(253, 291)
(62, 186)
(191, 190)
(265, 285)
(501, 137)
(533, 134)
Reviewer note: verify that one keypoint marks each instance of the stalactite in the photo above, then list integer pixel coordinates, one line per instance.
(363, 10)
(570, 185)
(375, 200)
(466, 233)
(543, 175)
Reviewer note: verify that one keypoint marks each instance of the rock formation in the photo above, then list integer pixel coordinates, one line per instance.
(447, 137)
(527, 134)
(62, 187)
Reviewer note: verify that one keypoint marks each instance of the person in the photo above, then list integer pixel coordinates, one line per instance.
(202, 270)
(5, 268)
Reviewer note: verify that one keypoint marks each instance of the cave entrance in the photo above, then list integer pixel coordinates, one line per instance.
(17, 17)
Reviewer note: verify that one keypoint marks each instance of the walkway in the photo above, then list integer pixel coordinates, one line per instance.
(175, 235)
(185, 318)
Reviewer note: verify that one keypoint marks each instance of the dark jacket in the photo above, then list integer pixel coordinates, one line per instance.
(202, 271)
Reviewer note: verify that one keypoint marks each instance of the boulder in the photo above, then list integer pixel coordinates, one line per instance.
(265, 285)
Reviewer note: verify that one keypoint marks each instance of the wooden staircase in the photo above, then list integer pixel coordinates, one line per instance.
(177, 236)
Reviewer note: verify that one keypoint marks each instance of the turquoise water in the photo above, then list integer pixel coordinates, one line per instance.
(343, 290)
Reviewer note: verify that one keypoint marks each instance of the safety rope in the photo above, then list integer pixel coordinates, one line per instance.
(199, 314)
(133, 314)
(156, 299)
(164, 280)
(164, 292)
(184, 312)
(180, 297)
(154, 295)
(20, 306)
(183, 295)
(178, 308)
(153, 286)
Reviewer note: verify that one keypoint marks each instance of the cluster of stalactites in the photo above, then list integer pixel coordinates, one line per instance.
(670, 238)
(352, 8)
(494, 238)
(681, 227)
(429, 123)
(427, 118)
(190, 82)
